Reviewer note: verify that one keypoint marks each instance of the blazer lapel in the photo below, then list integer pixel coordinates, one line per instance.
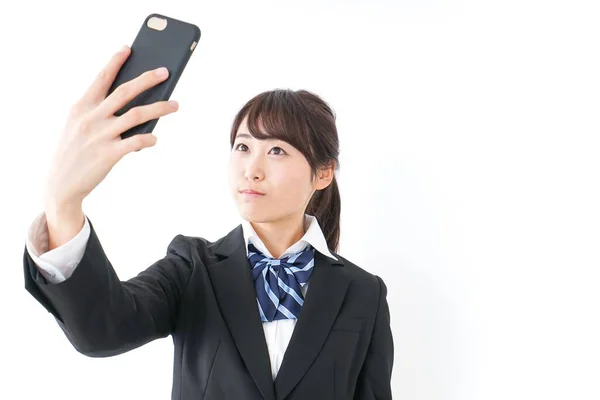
(234, 289)
(326, 290)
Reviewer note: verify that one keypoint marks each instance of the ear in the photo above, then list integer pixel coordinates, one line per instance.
(325, 176)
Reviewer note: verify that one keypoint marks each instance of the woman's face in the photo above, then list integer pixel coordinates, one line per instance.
(274, 168)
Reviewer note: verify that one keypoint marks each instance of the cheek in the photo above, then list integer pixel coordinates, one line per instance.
(232, 175)
(292, 184)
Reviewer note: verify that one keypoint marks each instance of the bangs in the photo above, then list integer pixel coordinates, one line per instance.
(278, 114)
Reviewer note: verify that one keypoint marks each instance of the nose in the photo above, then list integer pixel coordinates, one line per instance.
(254, 169)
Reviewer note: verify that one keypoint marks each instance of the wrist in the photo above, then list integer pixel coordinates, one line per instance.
(64, 222)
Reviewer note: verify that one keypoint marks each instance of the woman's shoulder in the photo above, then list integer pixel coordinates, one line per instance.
(190, 246)
(186, 245)
(359, 274)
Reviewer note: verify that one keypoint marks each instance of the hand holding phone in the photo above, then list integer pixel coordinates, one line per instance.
(92, 141)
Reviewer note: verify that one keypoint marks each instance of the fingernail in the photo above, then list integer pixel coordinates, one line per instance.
(162, 71)
(173, 104)
(124, 49)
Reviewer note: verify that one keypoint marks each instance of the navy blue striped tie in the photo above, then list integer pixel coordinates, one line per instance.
(278, 281)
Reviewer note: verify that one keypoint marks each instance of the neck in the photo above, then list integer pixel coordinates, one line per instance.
(279, 235)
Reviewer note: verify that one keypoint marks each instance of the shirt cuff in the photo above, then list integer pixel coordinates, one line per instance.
(57, 264)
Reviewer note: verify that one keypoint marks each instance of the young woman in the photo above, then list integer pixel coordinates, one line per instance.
(270, 310)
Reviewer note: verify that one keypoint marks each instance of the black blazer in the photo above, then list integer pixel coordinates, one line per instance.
(202, 294)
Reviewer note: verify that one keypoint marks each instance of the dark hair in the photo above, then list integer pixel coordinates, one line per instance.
(305, 121)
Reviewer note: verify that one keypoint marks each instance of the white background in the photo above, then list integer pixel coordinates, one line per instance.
(469, 177)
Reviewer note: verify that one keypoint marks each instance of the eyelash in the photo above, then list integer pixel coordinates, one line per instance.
(276, 147)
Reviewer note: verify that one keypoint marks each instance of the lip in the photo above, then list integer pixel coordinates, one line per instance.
(251, 192)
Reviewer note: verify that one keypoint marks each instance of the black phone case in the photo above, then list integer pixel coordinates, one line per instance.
(152, 48)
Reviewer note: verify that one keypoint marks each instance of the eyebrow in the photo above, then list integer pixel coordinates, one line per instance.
(245, 135)
(280, 142)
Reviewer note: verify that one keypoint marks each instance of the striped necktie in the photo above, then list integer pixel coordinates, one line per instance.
(278, 281)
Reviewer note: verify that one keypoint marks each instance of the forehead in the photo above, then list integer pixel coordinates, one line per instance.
(243, 125)
(244, 132)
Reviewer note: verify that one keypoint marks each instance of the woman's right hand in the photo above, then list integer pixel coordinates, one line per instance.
(91, 143)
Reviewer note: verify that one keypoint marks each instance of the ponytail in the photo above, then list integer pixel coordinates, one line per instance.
(325, 205)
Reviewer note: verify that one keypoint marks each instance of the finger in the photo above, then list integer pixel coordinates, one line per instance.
(139, 115)
(135, 143)
(129, 90)
(99, 87)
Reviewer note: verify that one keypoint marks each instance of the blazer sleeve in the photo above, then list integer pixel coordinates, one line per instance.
(374, 379)
(103, 316)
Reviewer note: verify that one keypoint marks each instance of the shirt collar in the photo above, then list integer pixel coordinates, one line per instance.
(313, 236)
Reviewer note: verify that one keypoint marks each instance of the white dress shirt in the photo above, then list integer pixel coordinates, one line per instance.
(58, 265)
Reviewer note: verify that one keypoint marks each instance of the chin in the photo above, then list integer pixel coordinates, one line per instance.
(263, 214)
(254, 214)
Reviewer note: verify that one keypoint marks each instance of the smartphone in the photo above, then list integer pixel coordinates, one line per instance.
(161, 42)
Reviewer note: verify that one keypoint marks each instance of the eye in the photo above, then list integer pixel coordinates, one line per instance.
(240, 144)
(283, 152)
